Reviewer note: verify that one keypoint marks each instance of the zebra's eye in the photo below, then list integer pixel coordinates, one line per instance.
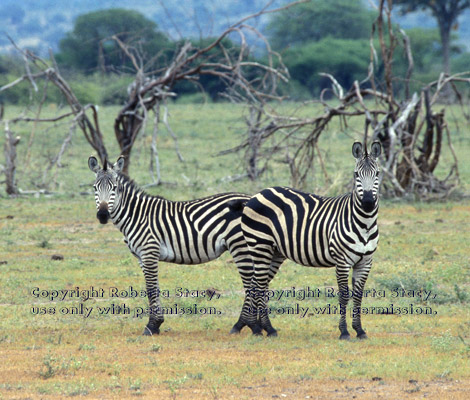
(356, 175)
(377, 173)
(94, 187)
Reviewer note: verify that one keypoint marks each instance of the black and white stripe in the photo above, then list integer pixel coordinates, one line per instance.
(181, 232)
(314, 231)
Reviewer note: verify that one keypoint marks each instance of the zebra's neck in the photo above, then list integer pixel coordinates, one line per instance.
(127, 204)
(364, 220)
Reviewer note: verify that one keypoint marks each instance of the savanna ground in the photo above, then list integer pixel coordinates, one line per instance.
(423, 246)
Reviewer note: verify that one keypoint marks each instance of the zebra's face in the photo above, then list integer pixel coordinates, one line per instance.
(366, 175)
(106, 187)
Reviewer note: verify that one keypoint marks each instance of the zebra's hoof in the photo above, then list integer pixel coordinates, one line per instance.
(256, 330)
(272, 333)
(345, 336)
(234, 331)
(149, 332)
(362, 336)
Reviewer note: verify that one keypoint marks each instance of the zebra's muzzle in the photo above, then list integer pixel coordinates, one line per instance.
(368, 201)
(103, 213)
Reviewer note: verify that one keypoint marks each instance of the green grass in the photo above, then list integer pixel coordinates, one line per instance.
(422, 246)
(203, 130)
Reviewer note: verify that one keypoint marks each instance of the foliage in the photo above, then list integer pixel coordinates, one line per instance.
(347, 63)
(425, 47)
(318, 19)
(94, 88)
(89, 47)
(446, 13)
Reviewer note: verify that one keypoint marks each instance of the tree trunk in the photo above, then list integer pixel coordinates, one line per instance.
(10, 161)
(444, 28)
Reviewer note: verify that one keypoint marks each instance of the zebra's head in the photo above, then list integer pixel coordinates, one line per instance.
(106, 186)
(366, 175)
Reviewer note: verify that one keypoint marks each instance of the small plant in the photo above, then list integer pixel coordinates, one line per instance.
(443, 343)
(49, 368)
(86, 347)
(407, 281)
(79, 389)
(155, 348)
(214, 392)
(461, 294)
(135, 386)
(52, 339)
(174, 384)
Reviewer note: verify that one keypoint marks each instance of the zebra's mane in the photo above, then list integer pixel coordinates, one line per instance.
(134, 187)
(130, 183)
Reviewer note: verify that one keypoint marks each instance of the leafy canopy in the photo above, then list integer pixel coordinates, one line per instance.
(315, 20)
(347, 63)
(88, 47)
(446, 13)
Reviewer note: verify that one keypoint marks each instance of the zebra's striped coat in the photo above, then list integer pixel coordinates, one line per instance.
(281, 223)
(180, 232)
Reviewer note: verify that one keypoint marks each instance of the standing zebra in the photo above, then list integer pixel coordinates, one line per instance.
(314, 231)
(180, 232)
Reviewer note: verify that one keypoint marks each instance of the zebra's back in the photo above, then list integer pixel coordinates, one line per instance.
(196, 231)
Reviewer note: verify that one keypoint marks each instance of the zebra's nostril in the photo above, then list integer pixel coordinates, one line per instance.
(368, 201)
(103, 216)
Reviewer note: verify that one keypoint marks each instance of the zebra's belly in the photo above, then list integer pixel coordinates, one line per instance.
(313, 262)
(311, 257)
(191, 255)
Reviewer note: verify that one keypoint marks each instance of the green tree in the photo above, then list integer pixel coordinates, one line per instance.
(323, 36)
(317, 19)
(446, 13)
(89, 46)
(347, 60)
(425, 47)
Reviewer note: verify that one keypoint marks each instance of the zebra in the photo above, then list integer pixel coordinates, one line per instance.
(180, 232)
(282, 223)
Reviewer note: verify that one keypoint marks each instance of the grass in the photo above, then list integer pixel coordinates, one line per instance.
(62, 353)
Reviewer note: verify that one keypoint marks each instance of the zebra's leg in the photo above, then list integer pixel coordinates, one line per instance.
(244, 318)
(274, 267)
(360, 274)
(239, 251)
(149, 266)
(262, 255)
(342, 273)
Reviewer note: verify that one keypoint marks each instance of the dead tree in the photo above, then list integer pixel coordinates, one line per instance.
(9, 151)
(411, 132)
(150, 90)
(152, 87)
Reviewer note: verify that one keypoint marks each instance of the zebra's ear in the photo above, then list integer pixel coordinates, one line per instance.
(93, 164)
(357, 150)
(375, 150)
(119, 165)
